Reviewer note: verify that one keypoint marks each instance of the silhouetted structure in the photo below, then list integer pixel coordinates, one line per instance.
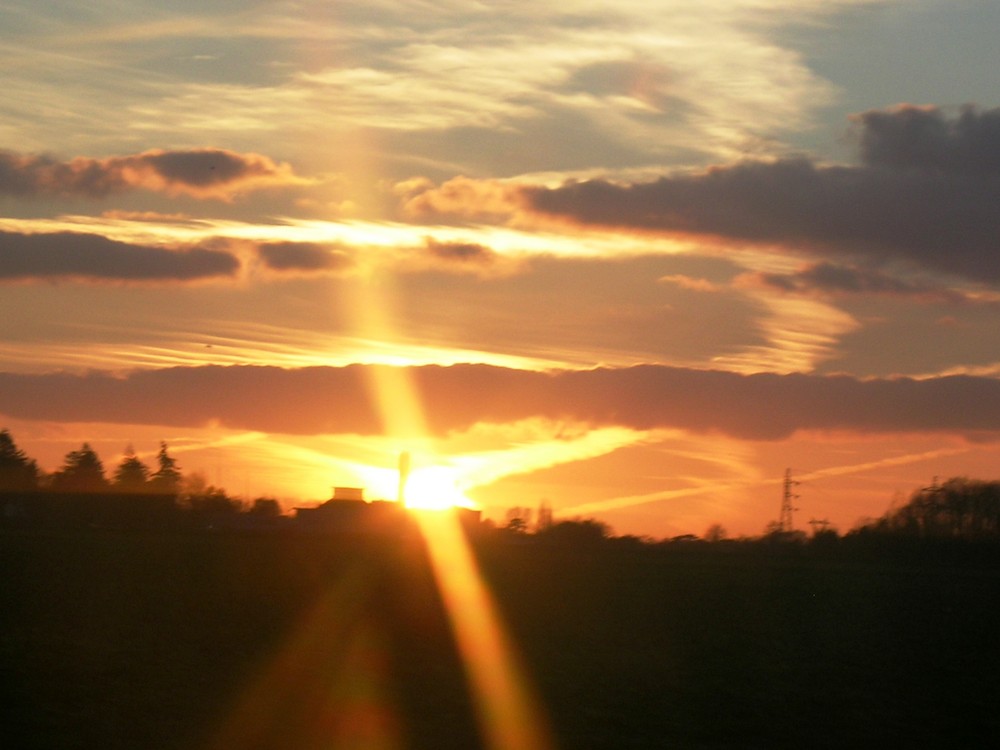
(404, 475)
(785, 524)
(348, 512)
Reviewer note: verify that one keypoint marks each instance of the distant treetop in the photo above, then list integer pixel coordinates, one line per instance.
(17, 471)
(167, 477)
(82, 471)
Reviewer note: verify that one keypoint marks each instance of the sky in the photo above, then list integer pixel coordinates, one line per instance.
(630, 260)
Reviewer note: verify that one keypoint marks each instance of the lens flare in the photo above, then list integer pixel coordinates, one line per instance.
(509, 713)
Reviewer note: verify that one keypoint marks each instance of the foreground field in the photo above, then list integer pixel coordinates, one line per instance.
(297, 641)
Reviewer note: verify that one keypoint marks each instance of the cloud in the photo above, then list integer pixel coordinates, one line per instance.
(303, 257)
(89, 256)
(461, 196)
(464, 258)
(586, 86)
(690, 283)
(923, 138)
(459, 252)
(325, 400)
(199, 173)
(925, 193)
(832, 279)
(434, 255)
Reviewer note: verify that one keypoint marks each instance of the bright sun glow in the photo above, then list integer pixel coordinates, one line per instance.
(433, 487)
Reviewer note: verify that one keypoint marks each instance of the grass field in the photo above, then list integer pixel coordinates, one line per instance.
(186, 640)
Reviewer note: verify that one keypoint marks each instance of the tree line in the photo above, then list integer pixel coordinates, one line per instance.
(83, 471)
(81, 492)
(959, 508)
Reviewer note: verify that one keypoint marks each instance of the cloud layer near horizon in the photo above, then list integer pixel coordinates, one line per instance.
(324, 400)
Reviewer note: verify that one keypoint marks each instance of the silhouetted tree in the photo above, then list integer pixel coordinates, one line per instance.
(132, 475)
(82, 471)
(213, 507)
(265, 508)
(958, 508)
(194, 483)
(825, 537)
(775, 532)
(587, 531)
(167, 478)
(773, 528)
(518, 520)
(543, 519)
(17, 471)
(715, 533)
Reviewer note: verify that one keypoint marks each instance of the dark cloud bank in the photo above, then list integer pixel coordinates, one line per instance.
(829, 278)
(94, 257)
(80, 256)
(339, 400)
(202, 173)
(927, 191)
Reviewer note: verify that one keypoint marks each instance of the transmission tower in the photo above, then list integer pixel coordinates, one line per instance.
(787, 496)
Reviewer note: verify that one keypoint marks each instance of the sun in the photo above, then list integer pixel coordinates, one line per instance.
(429, 484)
(434, 488)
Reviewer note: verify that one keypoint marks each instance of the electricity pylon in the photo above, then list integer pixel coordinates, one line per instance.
(785, 519)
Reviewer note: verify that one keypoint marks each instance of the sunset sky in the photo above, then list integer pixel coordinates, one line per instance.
(634, 259)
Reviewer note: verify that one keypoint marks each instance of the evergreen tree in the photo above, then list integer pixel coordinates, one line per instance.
(167, 478)
(17, 471)
(132, 475)
(82, 471)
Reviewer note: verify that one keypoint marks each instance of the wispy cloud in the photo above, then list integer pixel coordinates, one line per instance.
(798, 334)
(713, 79)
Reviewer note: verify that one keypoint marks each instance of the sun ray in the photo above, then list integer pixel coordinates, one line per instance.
(510, 717)
(508, 712)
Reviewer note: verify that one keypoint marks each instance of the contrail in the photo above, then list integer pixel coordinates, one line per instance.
(836, 471)
(652, 497)
(197, 444)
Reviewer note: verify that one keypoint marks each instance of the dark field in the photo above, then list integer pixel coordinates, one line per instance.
(296, 641)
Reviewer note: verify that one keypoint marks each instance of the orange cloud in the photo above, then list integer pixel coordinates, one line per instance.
(460, 196)
(690, 283)
(328, 400)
